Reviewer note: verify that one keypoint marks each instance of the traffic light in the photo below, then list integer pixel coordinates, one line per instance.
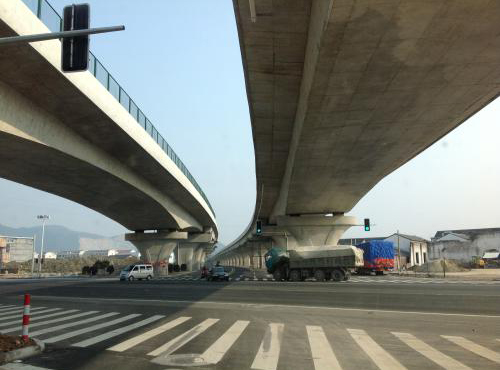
(259, 227)
(367, 224)
(75, 50)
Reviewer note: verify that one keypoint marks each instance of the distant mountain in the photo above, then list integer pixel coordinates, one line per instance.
(59, 238)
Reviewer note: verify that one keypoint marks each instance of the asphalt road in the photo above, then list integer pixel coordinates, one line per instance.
(371, 324)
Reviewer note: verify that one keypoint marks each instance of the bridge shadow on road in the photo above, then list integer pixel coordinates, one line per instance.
(172, 298)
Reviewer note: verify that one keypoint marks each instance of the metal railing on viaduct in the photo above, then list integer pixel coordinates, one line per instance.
(48, 15)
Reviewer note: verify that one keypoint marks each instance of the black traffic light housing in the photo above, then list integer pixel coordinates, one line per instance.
(75, 50)
(367, 224)
(258, 228)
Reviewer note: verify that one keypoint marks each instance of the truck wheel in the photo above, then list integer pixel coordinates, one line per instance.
(295, 275)
(278, 275)
(319, 275)
(337, 275)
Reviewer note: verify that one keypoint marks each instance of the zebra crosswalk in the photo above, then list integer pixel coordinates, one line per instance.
(163, 340)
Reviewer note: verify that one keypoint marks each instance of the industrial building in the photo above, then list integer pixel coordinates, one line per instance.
(15, 249)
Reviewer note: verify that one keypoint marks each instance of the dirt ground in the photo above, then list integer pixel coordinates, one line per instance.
(9, 343)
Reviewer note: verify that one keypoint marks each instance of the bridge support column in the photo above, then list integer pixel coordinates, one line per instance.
(312, 231)
(187, 249)
(198, 254)
(156, 248)
(186, 254)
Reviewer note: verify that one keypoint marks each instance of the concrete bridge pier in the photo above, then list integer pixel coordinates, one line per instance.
(312, 231)
(156, 248)
(186, 251)
(198, 257)
(188, 247)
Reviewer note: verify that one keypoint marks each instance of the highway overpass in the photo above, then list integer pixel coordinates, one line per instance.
(80, 136)
(342, 93)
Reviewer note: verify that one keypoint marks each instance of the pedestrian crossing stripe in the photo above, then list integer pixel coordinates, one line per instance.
(322, 353)
(383, 359)
(474, 348)
(182, 339)
(129, 343)
(267, 356)
(59, 319)
(269, 351)
(431, 353)
(115, 332)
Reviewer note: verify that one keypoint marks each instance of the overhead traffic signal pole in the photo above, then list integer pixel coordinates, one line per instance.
(75, 40)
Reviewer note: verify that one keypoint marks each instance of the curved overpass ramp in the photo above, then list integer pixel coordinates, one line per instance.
(80, 136)
(342, 93)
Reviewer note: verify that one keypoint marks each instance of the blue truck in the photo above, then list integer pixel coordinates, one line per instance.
(378, 257)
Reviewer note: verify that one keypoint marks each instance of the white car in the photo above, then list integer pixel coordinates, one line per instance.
(137, 271)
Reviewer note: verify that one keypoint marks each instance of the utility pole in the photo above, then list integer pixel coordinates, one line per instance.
(44, 218)
(33, 256)
(399, 256)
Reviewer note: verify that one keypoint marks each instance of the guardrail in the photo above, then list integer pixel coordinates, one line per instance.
(48, 15)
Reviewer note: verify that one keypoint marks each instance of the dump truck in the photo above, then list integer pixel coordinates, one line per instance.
(378, 256)
(335, 263)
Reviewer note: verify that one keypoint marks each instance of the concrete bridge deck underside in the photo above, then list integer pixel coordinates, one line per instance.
(66, 134)
(342, 93)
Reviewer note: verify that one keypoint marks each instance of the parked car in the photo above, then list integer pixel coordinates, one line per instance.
(218, 273)
(137, 271)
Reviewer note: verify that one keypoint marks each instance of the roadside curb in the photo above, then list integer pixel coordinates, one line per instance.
(22, 353)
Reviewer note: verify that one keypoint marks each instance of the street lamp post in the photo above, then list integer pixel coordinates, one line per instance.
(44, 218)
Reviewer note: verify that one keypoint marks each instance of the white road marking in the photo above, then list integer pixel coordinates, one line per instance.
(71, 324)
(431, 353)
(178, 342)
(9, 308)
(59, 319)
(18, 309)
(148, 335)
(90, 328)
(114, 333)
(216, 351)
(269, 352)
(474, 348)
(322, 353)
(379, 356)
(20, 315)
(36, 318)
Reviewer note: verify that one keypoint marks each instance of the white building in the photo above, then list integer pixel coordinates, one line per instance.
(95, 253)
(414, 249)
(68, 254)
(122, 253)
(50, 255)
(462, 245)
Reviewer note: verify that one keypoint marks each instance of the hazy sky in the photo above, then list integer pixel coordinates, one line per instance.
(180, 61)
